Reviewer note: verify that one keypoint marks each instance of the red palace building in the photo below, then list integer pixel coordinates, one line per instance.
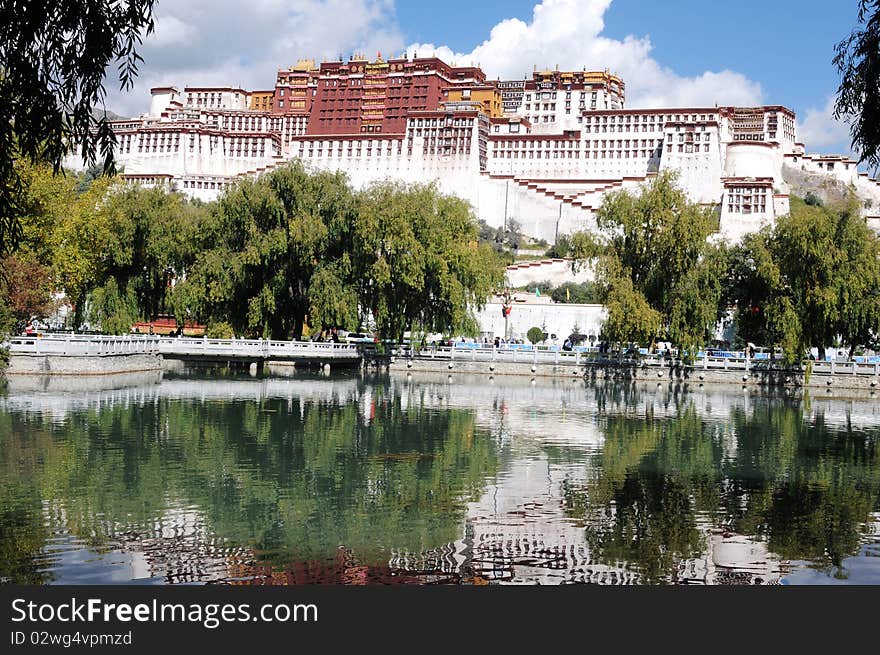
(366, 96)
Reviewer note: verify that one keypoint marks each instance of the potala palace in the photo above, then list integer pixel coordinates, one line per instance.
(541, 152)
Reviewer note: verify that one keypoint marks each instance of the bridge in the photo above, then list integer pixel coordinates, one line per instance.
(256, 351)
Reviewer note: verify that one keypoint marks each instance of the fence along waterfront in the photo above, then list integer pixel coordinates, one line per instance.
(249, 349)
(266, 349)
(536, 355)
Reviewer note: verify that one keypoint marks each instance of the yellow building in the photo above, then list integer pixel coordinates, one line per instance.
(486, 94)
(261, 100)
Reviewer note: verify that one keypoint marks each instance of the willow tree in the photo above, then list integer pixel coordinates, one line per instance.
(654, 253)
(420, 261)
(277, 250)
(857, 60)
(813, 278)
(53, 60)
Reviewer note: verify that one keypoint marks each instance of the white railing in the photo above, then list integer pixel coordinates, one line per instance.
(256, 348)
(99, 345)
(81, 345)
(578, 358)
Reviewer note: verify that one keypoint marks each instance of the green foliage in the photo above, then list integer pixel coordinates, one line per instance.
(271, 254)
(585, 293)
(535, 334)
(857, 60)
(7, 319)
(54, 60)
(503, 240)
(815, 276)
(813, 200)
(88, 234)
(562, 247)
(112, 309)
(656, 266)
(630, 318)
(419, 260)
(219, 330)
(7, 324)
(276, 252)
(544, 287)
(157, 234)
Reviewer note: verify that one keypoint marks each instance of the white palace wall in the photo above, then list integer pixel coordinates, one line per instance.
(548, 183)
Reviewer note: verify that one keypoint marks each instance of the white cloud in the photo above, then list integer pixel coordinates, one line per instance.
(171, 31)
(226, 42)
(568, 33)
(819, 130)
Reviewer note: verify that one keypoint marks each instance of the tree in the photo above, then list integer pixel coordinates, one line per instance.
(88, 231)
(585, 293)
(53, 60)
(655, 254)
(26, 290)
(562, 247)
(278, 250)
(73, 232)
(535, 334)
(66, 230)
(630, 318)
(112, 307)
(753, 286)
(814, 277)
(857, 60)
(419, 261)
(157, 235)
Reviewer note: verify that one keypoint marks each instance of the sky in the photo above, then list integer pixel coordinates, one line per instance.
(669, 53)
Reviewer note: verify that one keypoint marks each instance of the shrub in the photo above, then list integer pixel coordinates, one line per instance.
(535, 334)
(221, 330)
(813, 200)
(584, 293)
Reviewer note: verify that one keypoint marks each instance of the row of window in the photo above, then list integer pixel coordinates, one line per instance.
(530, 144)
(647, 127)
(244, 123)
(690, 137)
(746, 200)
(443, 150)
(340, 144)
(435, 122)
(149, 181)
(630, 119)
(454, 132)
(687, 148)
(357, 151)
(205, 184)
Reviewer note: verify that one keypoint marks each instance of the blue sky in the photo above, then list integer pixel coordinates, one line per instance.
(788, 48)
(672, 52)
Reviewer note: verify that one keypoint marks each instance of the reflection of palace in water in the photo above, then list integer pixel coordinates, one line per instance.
(518, 534)
(520, 529)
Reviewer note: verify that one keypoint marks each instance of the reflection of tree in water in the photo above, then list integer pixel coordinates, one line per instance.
(654, 475)
(291, 480)
(816, 486)
(807, 488)
(22, 528)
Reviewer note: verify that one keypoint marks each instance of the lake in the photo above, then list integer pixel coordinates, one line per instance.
(218, 477)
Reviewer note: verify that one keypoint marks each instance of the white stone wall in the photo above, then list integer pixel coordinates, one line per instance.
(550, 181)
(554, 318)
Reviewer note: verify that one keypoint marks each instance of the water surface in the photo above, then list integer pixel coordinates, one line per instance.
(418, 479)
